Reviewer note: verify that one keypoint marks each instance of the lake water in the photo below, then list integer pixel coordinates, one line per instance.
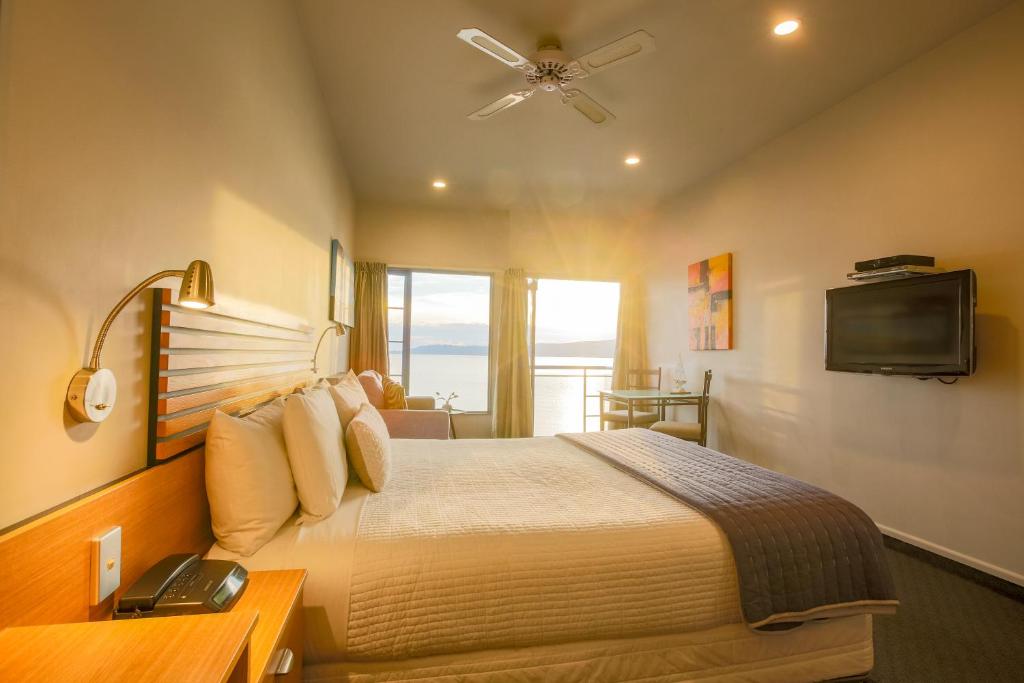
(558, 399)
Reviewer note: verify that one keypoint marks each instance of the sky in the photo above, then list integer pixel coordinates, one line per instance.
(453, 309)
(447, 309)
(576, 310)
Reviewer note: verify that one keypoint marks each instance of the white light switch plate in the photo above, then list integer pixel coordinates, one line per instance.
(106, 565)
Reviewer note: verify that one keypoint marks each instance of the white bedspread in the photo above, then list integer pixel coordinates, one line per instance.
(488, 544)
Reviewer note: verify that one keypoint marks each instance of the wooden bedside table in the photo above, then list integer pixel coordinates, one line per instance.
(205, 648)
(259, 640)
(276, 651)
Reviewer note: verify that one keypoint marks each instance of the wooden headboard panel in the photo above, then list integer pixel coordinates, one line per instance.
(233, 360)
(44, 564)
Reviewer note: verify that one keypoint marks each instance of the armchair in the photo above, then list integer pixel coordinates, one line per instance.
(421, 420)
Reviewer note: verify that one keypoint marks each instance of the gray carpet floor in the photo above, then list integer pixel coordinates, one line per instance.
(948, 629)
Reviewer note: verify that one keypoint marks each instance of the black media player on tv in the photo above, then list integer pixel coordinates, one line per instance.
(892, 261)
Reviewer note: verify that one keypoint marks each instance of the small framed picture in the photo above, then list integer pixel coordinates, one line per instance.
(342, 300)
(709, 283)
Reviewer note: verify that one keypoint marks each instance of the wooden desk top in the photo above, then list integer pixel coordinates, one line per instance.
(645, 394)
(194, 649)
(274, 594)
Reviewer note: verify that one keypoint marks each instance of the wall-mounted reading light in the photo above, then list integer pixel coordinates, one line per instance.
(339, 330)
(93, 390)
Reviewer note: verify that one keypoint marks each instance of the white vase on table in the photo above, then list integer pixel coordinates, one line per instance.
(679, 376)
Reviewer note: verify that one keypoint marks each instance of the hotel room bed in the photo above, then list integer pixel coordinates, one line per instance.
(532, 559)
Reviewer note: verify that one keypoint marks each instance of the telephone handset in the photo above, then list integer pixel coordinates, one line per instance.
(183, 584)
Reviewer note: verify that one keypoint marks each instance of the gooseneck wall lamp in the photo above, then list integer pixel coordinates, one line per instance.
(339, 330)
(93, 390)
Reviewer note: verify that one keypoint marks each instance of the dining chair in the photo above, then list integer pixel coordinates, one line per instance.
(648, 378)
(691, 431)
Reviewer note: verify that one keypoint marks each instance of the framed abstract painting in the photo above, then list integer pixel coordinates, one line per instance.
(342, 295)
(709, 284)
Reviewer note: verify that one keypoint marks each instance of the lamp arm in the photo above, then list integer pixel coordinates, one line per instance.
(94, 363)
(316, 351)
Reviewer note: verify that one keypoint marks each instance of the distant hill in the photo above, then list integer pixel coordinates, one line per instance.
(450, 350)
(604, 348)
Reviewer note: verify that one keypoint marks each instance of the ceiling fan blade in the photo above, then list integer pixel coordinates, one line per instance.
(495, 48)
(500, 105)
(585, 105)
(617, 52)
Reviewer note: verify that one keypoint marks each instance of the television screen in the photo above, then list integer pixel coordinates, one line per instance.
(922, 326)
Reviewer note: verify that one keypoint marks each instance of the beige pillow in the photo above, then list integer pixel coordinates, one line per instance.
(271, 414)
(373, 386)
(318, 386)
(369, 447)
(248, 481)
(348, 395)
(316, 451)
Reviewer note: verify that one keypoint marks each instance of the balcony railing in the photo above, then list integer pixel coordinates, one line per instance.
(565, 397)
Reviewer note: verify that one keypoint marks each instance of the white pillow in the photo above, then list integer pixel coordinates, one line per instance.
(348, 395)
(248, 482)
(369, 447)
(316, 451)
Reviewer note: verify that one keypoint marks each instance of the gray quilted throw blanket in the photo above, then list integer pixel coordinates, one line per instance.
(801, 553)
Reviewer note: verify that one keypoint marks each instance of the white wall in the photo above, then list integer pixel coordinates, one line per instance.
(134, 137)
(929, 160)
(565, 243)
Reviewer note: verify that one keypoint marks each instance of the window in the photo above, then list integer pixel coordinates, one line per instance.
(573, 347)
(439, 334)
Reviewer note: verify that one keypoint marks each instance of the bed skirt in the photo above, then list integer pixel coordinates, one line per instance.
(816, 651)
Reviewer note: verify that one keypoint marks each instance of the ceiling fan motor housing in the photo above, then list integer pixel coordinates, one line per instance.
(552, 69)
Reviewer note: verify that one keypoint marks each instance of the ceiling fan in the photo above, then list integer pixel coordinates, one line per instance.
(551, 70)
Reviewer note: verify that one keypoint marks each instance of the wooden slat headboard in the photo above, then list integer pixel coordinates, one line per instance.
(232, 358)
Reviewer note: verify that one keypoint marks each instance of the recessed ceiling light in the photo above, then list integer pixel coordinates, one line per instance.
(632, 160)
(786, 27)
(439, 184)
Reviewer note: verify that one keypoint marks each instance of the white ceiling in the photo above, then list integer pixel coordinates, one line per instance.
(399, 84)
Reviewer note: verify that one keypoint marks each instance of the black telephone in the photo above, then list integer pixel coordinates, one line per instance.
(183, 584)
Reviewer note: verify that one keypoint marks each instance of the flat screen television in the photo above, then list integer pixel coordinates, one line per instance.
(920, 326)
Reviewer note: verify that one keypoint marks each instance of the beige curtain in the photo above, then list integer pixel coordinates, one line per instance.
(368, 345)
(631, 338)
(513, 390)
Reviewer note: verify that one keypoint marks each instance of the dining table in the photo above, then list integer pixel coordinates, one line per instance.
(634, 400)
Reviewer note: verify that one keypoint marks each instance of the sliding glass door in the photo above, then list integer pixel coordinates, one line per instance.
(572, 346)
